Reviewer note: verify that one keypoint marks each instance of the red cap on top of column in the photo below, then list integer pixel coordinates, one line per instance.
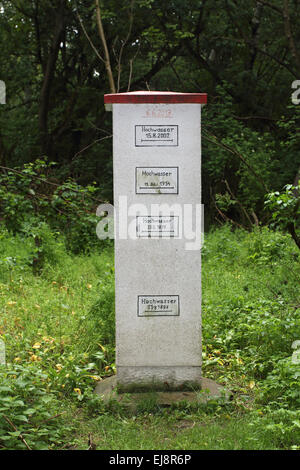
(155, 97)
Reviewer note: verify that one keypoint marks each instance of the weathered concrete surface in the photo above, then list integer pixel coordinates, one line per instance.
(168, 378)
(153, 347)
(108, 390)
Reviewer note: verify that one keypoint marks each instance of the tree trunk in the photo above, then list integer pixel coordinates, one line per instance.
(48, 78)
(106, 53)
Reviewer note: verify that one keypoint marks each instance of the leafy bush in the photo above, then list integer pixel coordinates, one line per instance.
(29, 198)
(280, 425)
(30, 413)
(281, 388)
(59, 331)
(251, 314)
(240, 162)
(101, 317)
(285, 210)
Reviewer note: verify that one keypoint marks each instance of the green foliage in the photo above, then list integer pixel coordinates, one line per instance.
(57, 311)
(280, 426)
(58, 329)
(30, 202)
(30, 413)
(188, 46)
(224, 202)
(281, 387)
(250, 329)
(239, 165)
(285, 210)
(265, 248)
(53, 354)
(284, 206)
(102, 313)
(76, 207)
(289, 138)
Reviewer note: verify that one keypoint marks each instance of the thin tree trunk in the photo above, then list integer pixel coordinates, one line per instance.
(48, 78)
(292, 231)
(106, 52)
(288, 32)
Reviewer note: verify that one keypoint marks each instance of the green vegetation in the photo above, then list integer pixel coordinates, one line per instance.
(244, 55)
(58, 327)
(57, 278)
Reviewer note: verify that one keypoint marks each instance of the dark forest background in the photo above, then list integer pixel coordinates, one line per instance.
(59, 57)
(57, 316)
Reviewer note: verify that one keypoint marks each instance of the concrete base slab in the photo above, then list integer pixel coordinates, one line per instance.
(209, 390)
(153, 378)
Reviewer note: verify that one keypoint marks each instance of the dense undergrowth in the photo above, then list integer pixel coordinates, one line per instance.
(58, 329)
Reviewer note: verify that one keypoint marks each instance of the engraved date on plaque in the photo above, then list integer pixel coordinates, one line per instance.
(158, 306)
(156, 136)
(156, 180)
(157, 226)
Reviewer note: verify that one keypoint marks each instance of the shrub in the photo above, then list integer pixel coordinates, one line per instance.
(29, 198)
(30, 413)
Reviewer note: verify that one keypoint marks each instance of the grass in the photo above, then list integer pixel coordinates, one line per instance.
(168, 431)
(58, 328)
(55, 304)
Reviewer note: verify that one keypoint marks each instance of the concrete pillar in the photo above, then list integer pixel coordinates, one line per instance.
(157, 192)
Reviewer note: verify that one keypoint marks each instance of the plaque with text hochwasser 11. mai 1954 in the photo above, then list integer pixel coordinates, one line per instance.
(156, 180)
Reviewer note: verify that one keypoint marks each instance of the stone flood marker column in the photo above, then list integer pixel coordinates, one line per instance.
(157, 162)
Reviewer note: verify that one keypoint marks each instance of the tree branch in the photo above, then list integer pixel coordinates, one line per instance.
(270, 5)
(288, 32)
(239, 155)
(16, 430)
(88, 37)
(159, 64)
(48, 77)
(238, 202)
(106, 52)
(124, 43)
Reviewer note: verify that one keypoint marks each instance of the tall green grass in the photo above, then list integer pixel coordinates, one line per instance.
(58, 327)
